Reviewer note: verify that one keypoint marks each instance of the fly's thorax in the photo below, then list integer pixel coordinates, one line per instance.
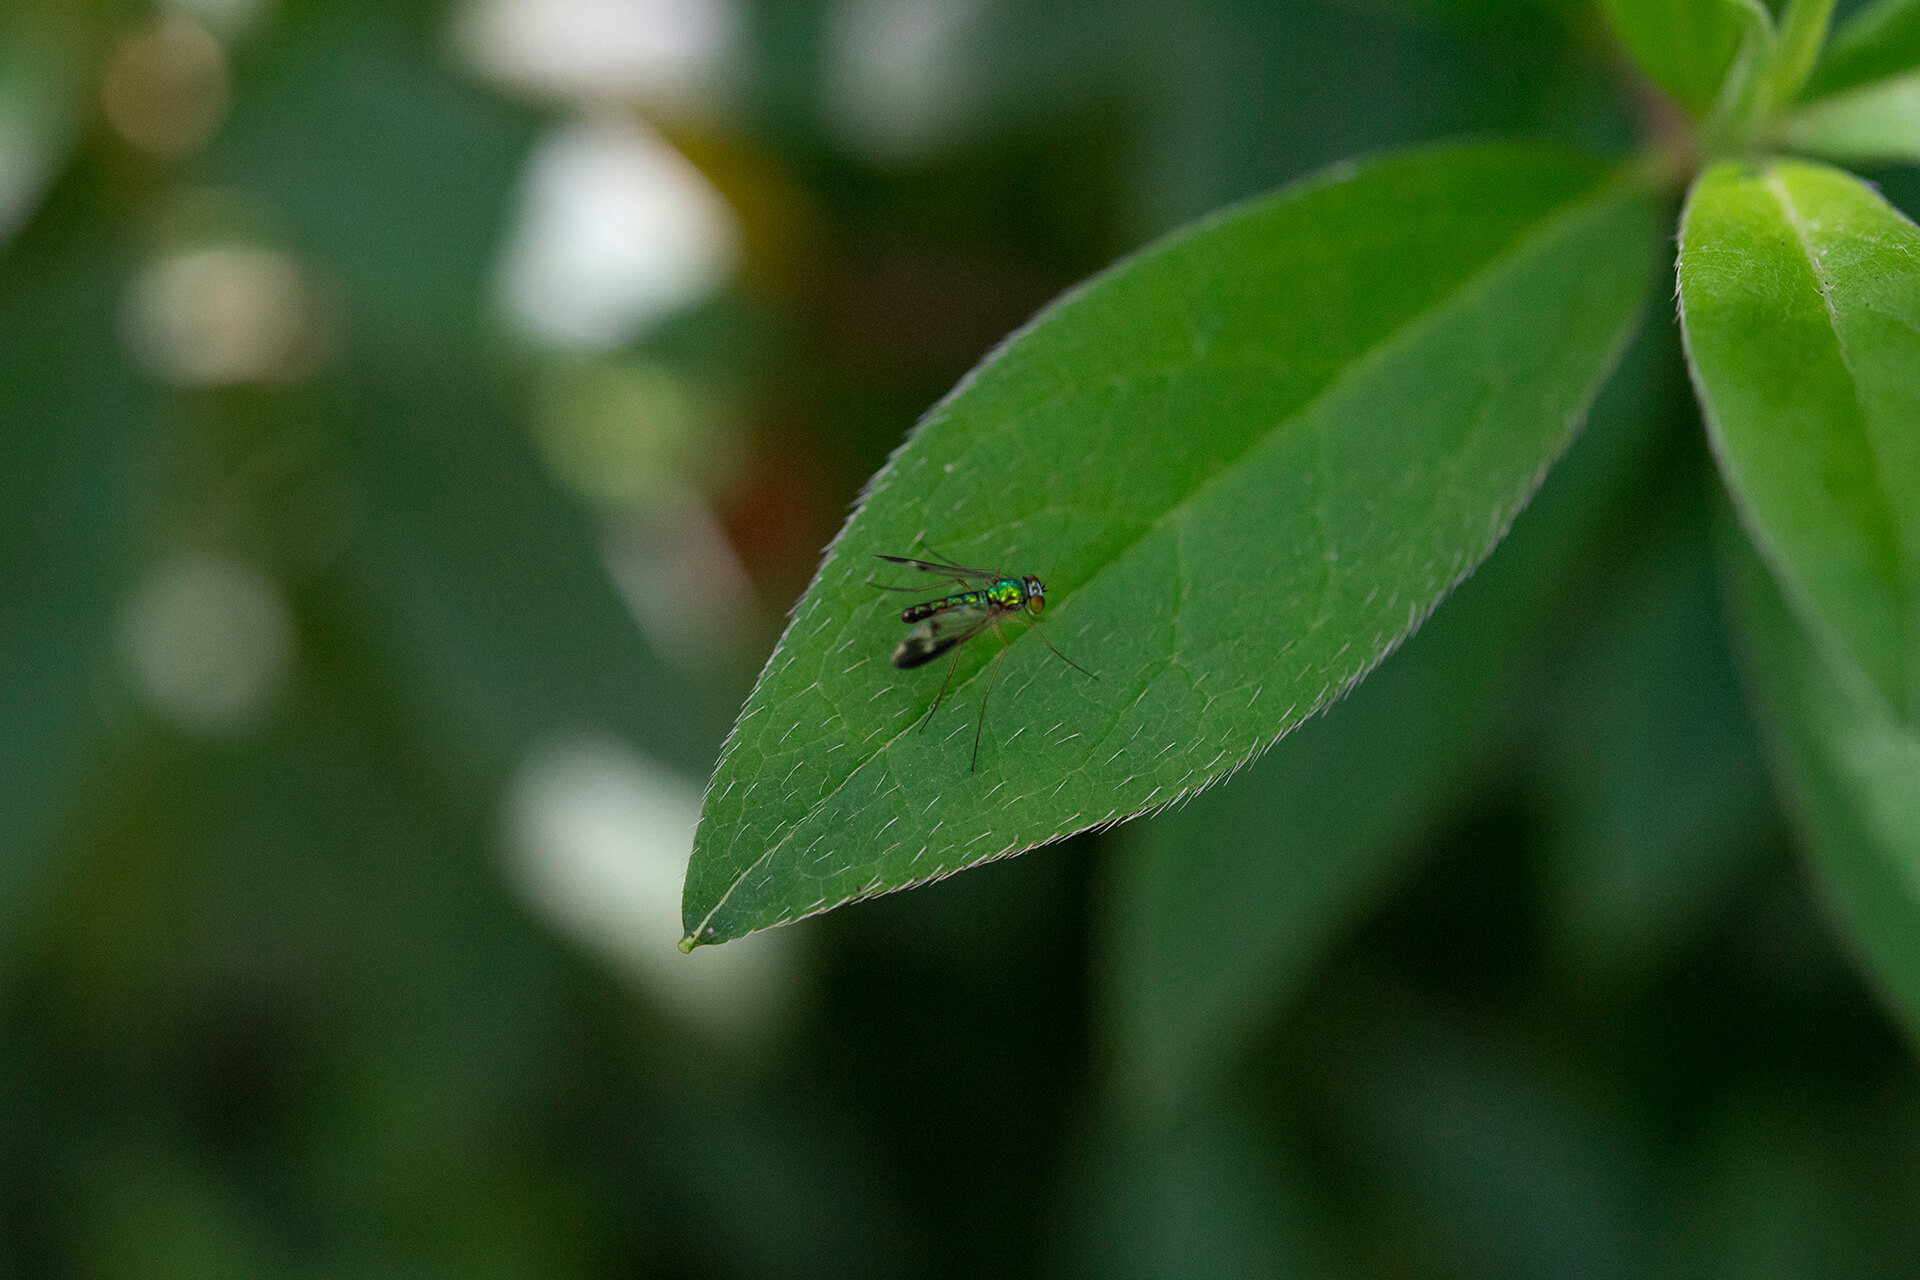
(1008, 594)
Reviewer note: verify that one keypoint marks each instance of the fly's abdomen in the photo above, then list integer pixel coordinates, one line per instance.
(966, 599)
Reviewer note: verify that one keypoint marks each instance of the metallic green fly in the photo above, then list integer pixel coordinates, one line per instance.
(986, 596)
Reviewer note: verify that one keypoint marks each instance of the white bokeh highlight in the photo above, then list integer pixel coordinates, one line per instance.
(898, 80)
(672, 52)
(616, 231)
(599, 839)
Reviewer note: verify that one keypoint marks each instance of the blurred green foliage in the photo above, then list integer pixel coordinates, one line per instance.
(290, 622)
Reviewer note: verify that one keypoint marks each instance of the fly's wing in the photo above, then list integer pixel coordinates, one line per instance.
(933, 636)
(944, 570)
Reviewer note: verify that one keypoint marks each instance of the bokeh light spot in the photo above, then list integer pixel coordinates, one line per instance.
(623, 431)
(208, 641)
(898, 84)
(600, 838)
(662, 52)
(617, 231)
(167, 87)
(224, 315)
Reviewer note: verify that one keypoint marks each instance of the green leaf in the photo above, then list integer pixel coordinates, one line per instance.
(1747, 95)
(1803, 30)
(1685, 46)
(1803, 1175)
(42, 92)
(1875, 124)
(1484, 1154)
(1248, 460)
(509, 629)
(1218, 911)
(1216, 1195)
(1850, 769)
(1242, 99)
(80, 485)
(1880, 41)
(1800, 305)
(391, 172)
(1655, 795)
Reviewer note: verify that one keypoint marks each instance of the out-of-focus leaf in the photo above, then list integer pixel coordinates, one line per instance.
(508, 626)
(394, 179)
(76, 492)
(388, 171)
(1241, 98)
(1803, 31)
(369, 999)
(1211, 1197)
(1686, 46)
(1217, 911)
(1491, 1162)
(1800, 304)
(1250, 458)
(1880, 41)
(1796, 1182)
(145, 1205)
(1878, 123)
(40, 90)
(779, 1187)
(1850, 769)
(1658, 794)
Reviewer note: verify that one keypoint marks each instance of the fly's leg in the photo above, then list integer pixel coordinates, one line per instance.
(993, 671)
(1063, 657)
(944, 686)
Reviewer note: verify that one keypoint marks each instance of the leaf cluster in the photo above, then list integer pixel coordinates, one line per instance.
(1253, 457)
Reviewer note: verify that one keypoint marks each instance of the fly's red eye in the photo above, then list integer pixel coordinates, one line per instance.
(1036, 603)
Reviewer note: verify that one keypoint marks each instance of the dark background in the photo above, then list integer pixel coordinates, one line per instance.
(366, 634)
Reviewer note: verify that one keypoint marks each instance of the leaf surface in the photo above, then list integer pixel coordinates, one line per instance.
(79, 491)
(1685, 46)
(1880, 41)
(1850, 770)
(1654, 794)
(1874, 124)
(1218, 912)
(1247, 462)
(1800, 305)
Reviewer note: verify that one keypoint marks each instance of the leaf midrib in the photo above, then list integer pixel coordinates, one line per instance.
(1824, 285)
(1516, 250)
